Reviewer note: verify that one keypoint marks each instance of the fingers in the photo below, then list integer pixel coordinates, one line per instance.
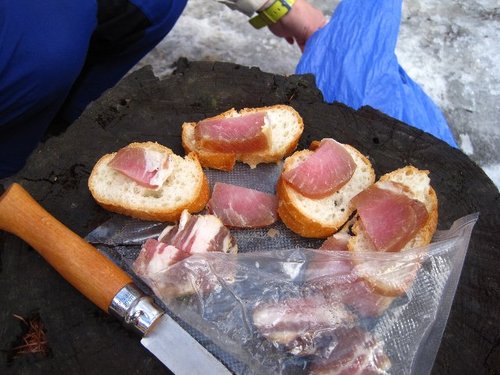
(299, 24)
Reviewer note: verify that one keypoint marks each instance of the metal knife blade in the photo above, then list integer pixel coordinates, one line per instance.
(104, 283)
(176, 349)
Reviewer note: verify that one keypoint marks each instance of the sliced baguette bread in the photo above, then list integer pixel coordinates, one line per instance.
(185, 188)
(286, 127)
(381, 275)
(320, 218)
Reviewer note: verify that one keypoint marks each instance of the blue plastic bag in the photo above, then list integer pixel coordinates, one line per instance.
(353, 59)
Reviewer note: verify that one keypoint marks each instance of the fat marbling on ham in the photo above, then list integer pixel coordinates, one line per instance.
(335, 275)
(241, 207)
(389, 217)
(240, 134)
(149, 168)
(357, 352)
(193, 234)
(325, 331)
(323, 172)
(301, 324)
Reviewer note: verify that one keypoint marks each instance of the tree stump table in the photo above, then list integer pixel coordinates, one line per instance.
(81, 339)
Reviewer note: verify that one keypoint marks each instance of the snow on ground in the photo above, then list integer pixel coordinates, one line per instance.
(450, 47)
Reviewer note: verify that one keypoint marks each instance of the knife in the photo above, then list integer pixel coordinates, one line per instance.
(104, 283)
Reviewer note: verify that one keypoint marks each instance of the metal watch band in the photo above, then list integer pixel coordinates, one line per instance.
(272, 14)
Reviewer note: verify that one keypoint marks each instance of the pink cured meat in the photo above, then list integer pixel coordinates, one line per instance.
(389, 217)
(357, 353)
(241, 207)
(148, 168)
(199, 234)
(337, 241)
(336, 277)
(240, 134)
(156, 256)
(323, 172)
(363, 300)
(193, 234)
(301, 324)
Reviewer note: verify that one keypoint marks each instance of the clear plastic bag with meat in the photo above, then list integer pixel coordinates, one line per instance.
(281, 307)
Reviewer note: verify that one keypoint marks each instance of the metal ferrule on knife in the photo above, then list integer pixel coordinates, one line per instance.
(135, 309)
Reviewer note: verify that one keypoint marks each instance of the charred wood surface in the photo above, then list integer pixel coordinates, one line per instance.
(84, 340)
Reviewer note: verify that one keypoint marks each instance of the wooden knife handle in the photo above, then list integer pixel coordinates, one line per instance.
(81, 264)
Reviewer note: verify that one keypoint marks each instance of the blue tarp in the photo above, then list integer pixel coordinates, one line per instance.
(353, 59)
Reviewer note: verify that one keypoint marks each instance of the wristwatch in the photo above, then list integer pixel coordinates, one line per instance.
(272, 14)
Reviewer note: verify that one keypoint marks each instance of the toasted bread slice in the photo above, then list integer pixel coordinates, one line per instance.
(286, 127)
(186, 188)
(381, 275)
(320, 218)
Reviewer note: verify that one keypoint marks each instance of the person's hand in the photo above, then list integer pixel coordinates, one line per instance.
(299, 23)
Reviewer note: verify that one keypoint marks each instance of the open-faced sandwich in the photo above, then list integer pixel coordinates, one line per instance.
(397, 213)
(251, 136)
(148, 181)
(316, 187)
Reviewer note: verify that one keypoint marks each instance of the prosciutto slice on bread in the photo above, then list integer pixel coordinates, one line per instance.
(323, 172)
(320, 217)
(148, 167)
(146, 180)
(242, 134)
(241, 207)
(250, 135)
(389, 217)
(398, 213)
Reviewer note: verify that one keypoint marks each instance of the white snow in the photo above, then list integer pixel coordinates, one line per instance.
(493, 172)
(466, 144)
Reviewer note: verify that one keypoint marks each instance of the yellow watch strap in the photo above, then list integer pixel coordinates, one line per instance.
(271, 14)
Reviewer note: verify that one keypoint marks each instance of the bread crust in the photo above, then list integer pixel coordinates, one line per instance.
(226, 161)
(298, 211)
(209, 159)
(160, 208)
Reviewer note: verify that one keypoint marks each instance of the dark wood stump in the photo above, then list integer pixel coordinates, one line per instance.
(84, 340)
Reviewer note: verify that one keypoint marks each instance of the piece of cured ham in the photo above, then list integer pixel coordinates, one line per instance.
(324, 268)
(323, 172)
(361, 298)
(356, 352)
(157, 256)
(241, 207)
(337, 278)
(301, 324)
(147, 167)
(337, 241)
(241, 134)
(193, 234)
(388, 216)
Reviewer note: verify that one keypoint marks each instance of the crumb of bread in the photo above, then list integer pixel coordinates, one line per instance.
(272, 233)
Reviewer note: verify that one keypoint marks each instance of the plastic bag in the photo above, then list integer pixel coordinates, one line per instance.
(354, 62)
(297, 310)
